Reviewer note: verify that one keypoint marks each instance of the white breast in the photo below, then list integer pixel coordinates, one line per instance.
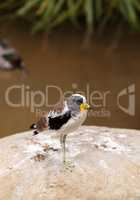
(74, 123)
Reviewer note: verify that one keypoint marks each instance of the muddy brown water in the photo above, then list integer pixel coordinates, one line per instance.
(64, 61)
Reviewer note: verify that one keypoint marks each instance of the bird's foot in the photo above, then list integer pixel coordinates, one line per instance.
(68, 165)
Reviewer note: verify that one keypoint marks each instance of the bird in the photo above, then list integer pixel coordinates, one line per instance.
(65, 120)
(9, 57)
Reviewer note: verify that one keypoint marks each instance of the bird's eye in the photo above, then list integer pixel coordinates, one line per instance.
(79, 101)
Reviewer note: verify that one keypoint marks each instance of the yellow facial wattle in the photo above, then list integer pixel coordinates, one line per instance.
(84, 106)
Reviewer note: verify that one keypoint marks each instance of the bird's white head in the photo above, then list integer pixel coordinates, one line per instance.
(78, 102)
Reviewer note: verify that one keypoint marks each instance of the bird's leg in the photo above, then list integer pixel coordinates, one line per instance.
(67, 164)
(64, 150)
(63, 144)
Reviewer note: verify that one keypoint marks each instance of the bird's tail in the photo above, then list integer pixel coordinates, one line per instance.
(39, 126)
(33, 126)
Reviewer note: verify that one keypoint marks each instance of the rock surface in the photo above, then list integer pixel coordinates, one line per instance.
(105, 165)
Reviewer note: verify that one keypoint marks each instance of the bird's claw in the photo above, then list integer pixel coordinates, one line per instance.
(68, 165)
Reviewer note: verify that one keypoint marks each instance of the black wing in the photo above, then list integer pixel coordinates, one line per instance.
(57, 122)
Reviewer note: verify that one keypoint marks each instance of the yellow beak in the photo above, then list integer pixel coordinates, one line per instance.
(84, 106)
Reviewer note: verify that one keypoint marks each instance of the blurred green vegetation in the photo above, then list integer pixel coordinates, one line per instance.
(44, 15)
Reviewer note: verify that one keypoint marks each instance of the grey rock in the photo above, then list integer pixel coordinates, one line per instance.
(104, 165)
